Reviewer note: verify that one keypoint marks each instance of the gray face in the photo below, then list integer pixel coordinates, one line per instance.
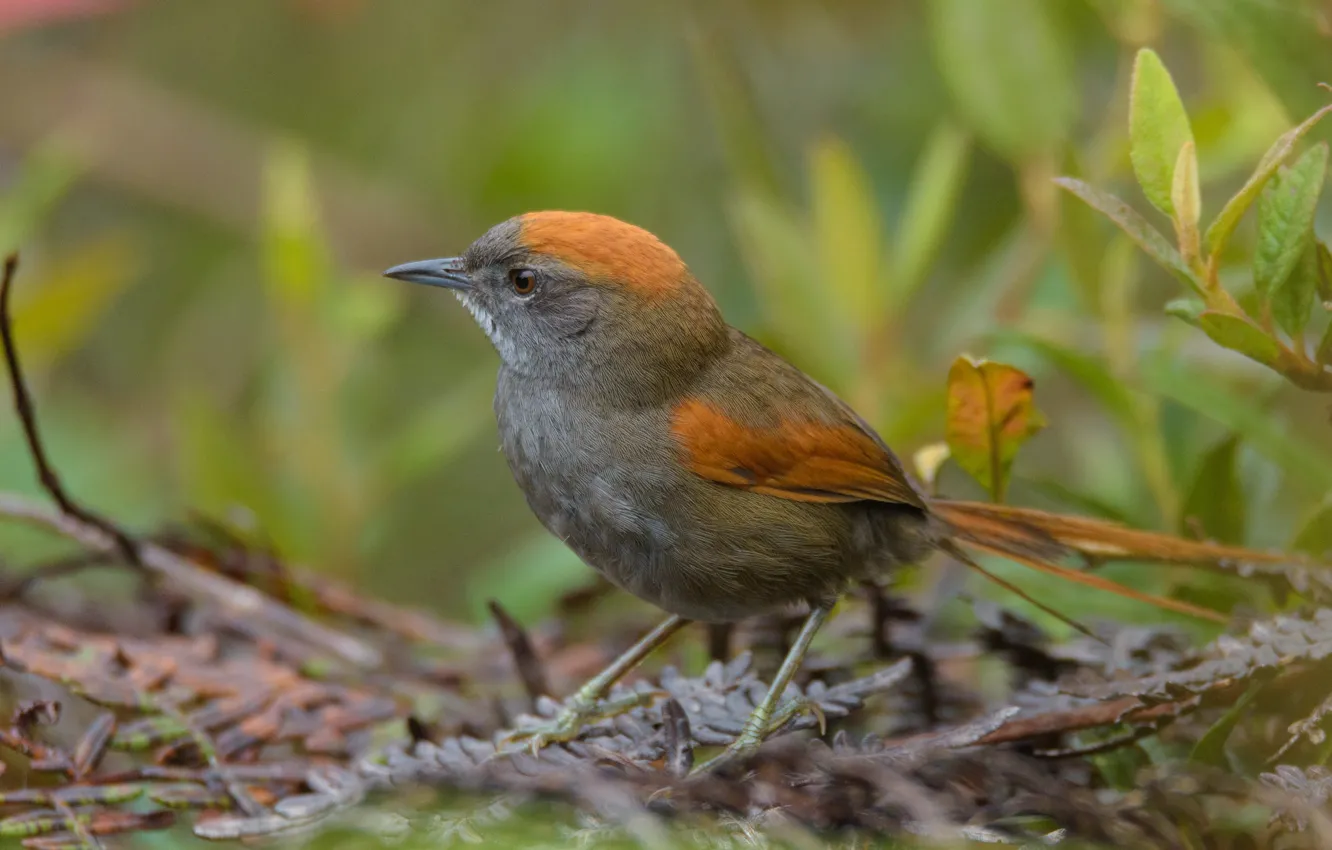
(535, 310)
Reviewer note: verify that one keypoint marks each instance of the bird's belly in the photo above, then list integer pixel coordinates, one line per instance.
(697, 549)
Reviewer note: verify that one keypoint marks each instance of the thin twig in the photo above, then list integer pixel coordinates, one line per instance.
(27, 413)
(1126, 709)
(1118, 742)
(247, 606)
(55, 569)
(530, 669)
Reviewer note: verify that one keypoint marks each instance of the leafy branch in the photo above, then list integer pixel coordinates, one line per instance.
(1291, 267)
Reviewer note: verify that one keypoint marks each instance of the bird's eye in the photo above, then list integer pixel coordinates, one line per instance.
(523, 281)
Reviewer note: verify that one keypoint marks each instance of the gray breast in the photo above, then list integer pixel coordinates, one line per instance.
(600, 502)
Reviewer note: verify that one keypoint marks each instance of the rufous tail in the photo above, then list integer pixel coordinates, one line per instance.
(1039, 540)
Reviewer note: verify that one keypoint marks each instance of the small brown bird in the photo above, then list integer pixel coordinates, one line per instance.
(700, 471)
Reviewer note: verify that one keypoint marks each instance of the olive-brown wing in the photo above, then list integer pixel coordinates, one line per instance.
(802, 460)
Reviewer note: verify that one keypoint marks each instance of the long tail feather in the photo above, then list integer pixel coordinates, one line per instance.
(970, 562)
(1105, 584)
(1037, 539)
(1033, 531)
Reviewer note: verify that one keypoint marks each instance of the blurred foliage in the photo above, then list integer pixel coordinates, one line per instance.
(204, 194)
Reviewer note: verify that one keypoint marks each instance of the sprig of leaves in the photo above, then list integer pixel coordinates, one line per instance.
(1291, 267)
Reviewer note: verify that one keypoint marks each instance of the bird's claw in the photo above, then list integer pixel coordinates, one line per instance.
(794, 708)
(576, 715)
(753, 735)
(563, 728)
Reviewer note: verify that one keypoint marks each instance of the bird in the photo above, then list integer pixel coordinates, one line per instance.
(700, 471)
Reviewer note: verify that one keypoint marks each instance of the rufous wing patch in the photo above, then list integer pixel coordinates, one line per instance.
(798, 460)
(605, 248)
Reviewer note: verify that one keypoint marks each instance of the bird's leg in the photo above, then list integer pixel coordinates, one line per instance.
(759, 723)
(581, 707)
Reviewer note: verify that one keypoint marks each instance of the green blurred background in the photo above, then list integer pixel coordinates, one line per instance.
(205, 192)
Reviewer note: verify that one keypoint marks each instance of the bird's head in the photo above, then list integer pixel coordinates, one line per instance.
(579, 298)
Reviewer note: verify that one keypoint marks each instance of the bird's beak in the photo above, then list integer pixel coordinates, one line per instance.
(447, 272)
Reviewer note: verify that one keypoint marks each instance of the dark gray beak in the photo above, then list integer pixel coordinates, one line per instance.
(447, 272)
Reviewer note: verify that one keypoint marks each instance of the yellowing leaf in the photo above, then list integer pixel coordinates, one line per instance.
(990, 415)
(62, 308)
(1187, 200)
(293, 248)
(1158, 129)
(928, 460)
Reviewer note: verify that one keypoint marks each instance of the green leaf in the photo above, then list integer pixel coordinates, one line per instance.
(293, 247)
(1135, 226)
(1211, 747)
(1323, 264)
(990, 415)
(1285, 220)
(779, 255)
(1158, 129)
(1089, 371)
(1315, 536)
(43, 179)
(1017, 93)
(1324, 353)
(364, 310)
(1218, 233)
(1123, 403)
(1200, 392)
(1216, 499)
(528, 577)
(1242, 335)
(746, 141)
(930, 206)
(1323, 260)
(1283, 40)
(436, 432)
(1293, 299)
(848, 231)
(1188, 309)
(220, 466)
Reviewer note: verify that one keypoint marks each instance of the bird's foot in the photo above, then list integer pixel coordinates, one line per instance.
(577, 714)
(758, 728)
(792, 709)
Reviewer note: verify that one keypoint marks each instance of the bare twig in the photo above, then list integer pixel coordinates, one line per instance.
(27, 413)
(247, 606)
(1127, 709)
(525, 660)
(53, 570)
